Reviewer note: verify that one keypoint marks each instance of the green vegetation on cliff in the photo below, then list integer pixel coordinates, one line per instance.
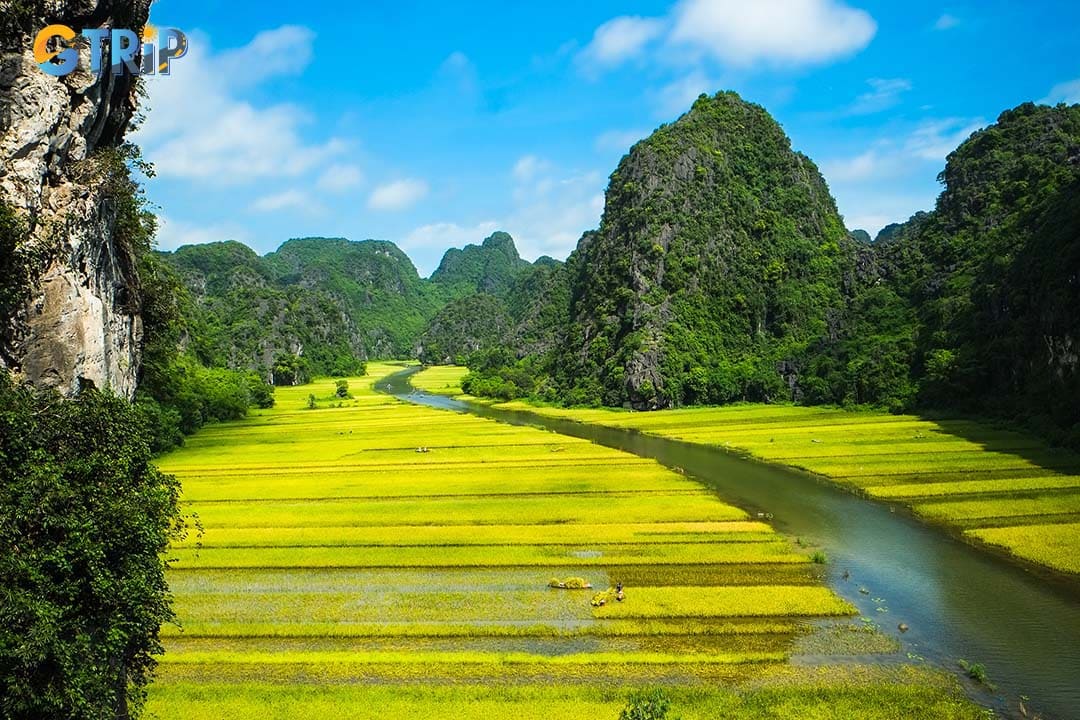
(971, 307)
(722, 272)
(178, 391)
(463, 327)
(719, 259)
(720, 255)
(994, 273)
(487, 268)
(333, 301)
(327, 305)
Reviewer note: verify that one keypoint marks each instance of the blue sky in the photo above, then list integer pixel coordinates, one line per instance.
(433, 124)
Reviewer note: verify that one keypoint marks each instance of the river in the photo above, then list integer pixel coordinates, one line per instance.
(959, 602)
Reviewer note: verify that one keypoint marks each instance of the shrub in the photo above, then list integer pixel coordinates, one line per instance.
(260, 392)
(977, 672)
(646, 705)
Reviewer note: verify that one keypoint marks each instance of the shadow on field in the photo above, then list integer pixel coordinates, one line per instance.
(1003, 439)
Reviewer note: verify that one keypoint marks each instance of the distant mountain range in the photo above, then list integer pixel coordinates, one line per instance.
(335, 301)
(721, 272)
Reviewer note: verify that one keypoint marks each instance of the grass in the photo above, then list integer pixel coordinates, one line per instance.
(412, 657)
(565, 477)
(372, 558)
(670, 643)
(603, 509)
(480, 606)
(962, 510)
(424, 630)
(977, 672)
(974, 487)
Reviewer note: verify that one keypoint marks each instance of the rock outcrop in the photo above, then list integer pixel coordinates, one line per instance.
(80, 321)
(719, 256)
(488, 268)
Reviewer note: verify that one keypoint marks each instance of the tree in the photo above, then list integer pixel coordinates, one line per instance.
(84, 520)
(341, 388)
(290, 369)
(260, 393)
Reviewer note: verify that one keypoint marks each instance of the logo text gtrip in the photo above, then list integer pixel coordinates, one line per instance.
(56, 54)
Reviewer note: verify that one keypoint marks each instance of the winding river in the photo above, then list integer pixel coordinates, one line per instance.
(958, 601)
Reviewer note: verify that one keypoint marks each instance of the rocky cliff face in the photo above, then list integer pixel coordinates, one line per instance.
(80, 319)
(719, 256)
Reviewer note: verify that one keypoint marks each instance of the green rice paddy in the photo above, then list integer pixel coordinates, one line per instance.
(370, 558)
(441, 379)
(998, 487)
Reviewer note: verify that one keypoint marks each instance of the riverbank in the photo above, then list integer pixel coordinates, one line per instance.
(893, 567)
(1001, 489)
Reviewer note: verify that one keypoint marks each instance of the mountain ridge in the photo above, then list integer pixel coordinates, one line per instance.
(964, 308)
(721, 271)
(334, 301)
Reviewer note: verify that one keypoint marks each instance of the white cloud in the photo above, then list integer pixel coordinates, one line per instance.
(284, 51)
(866, 184)
(456, 62)
(677, 96)
(736, 33)
(339, 178)
(286, 200)
(620, 39)
(443, 235)
(935, 139)
(397, 195)
(528, 167)
(459, 77)
(552, 225)
(928, 144)
(172, 234)
(860, 167)
(619, 140)
(551, 210)
(876, 207)
(200, 129)
(946, 22)
(1066, 92)
(787, 32)
(884, 94)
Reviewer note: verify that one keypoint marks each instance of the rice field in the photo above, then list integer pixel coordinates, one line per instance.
(441, 379)
(370, 558)
(999, 488)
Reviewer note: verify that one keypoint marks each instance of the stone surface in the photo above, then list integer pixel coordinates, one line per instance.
(81, 322)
